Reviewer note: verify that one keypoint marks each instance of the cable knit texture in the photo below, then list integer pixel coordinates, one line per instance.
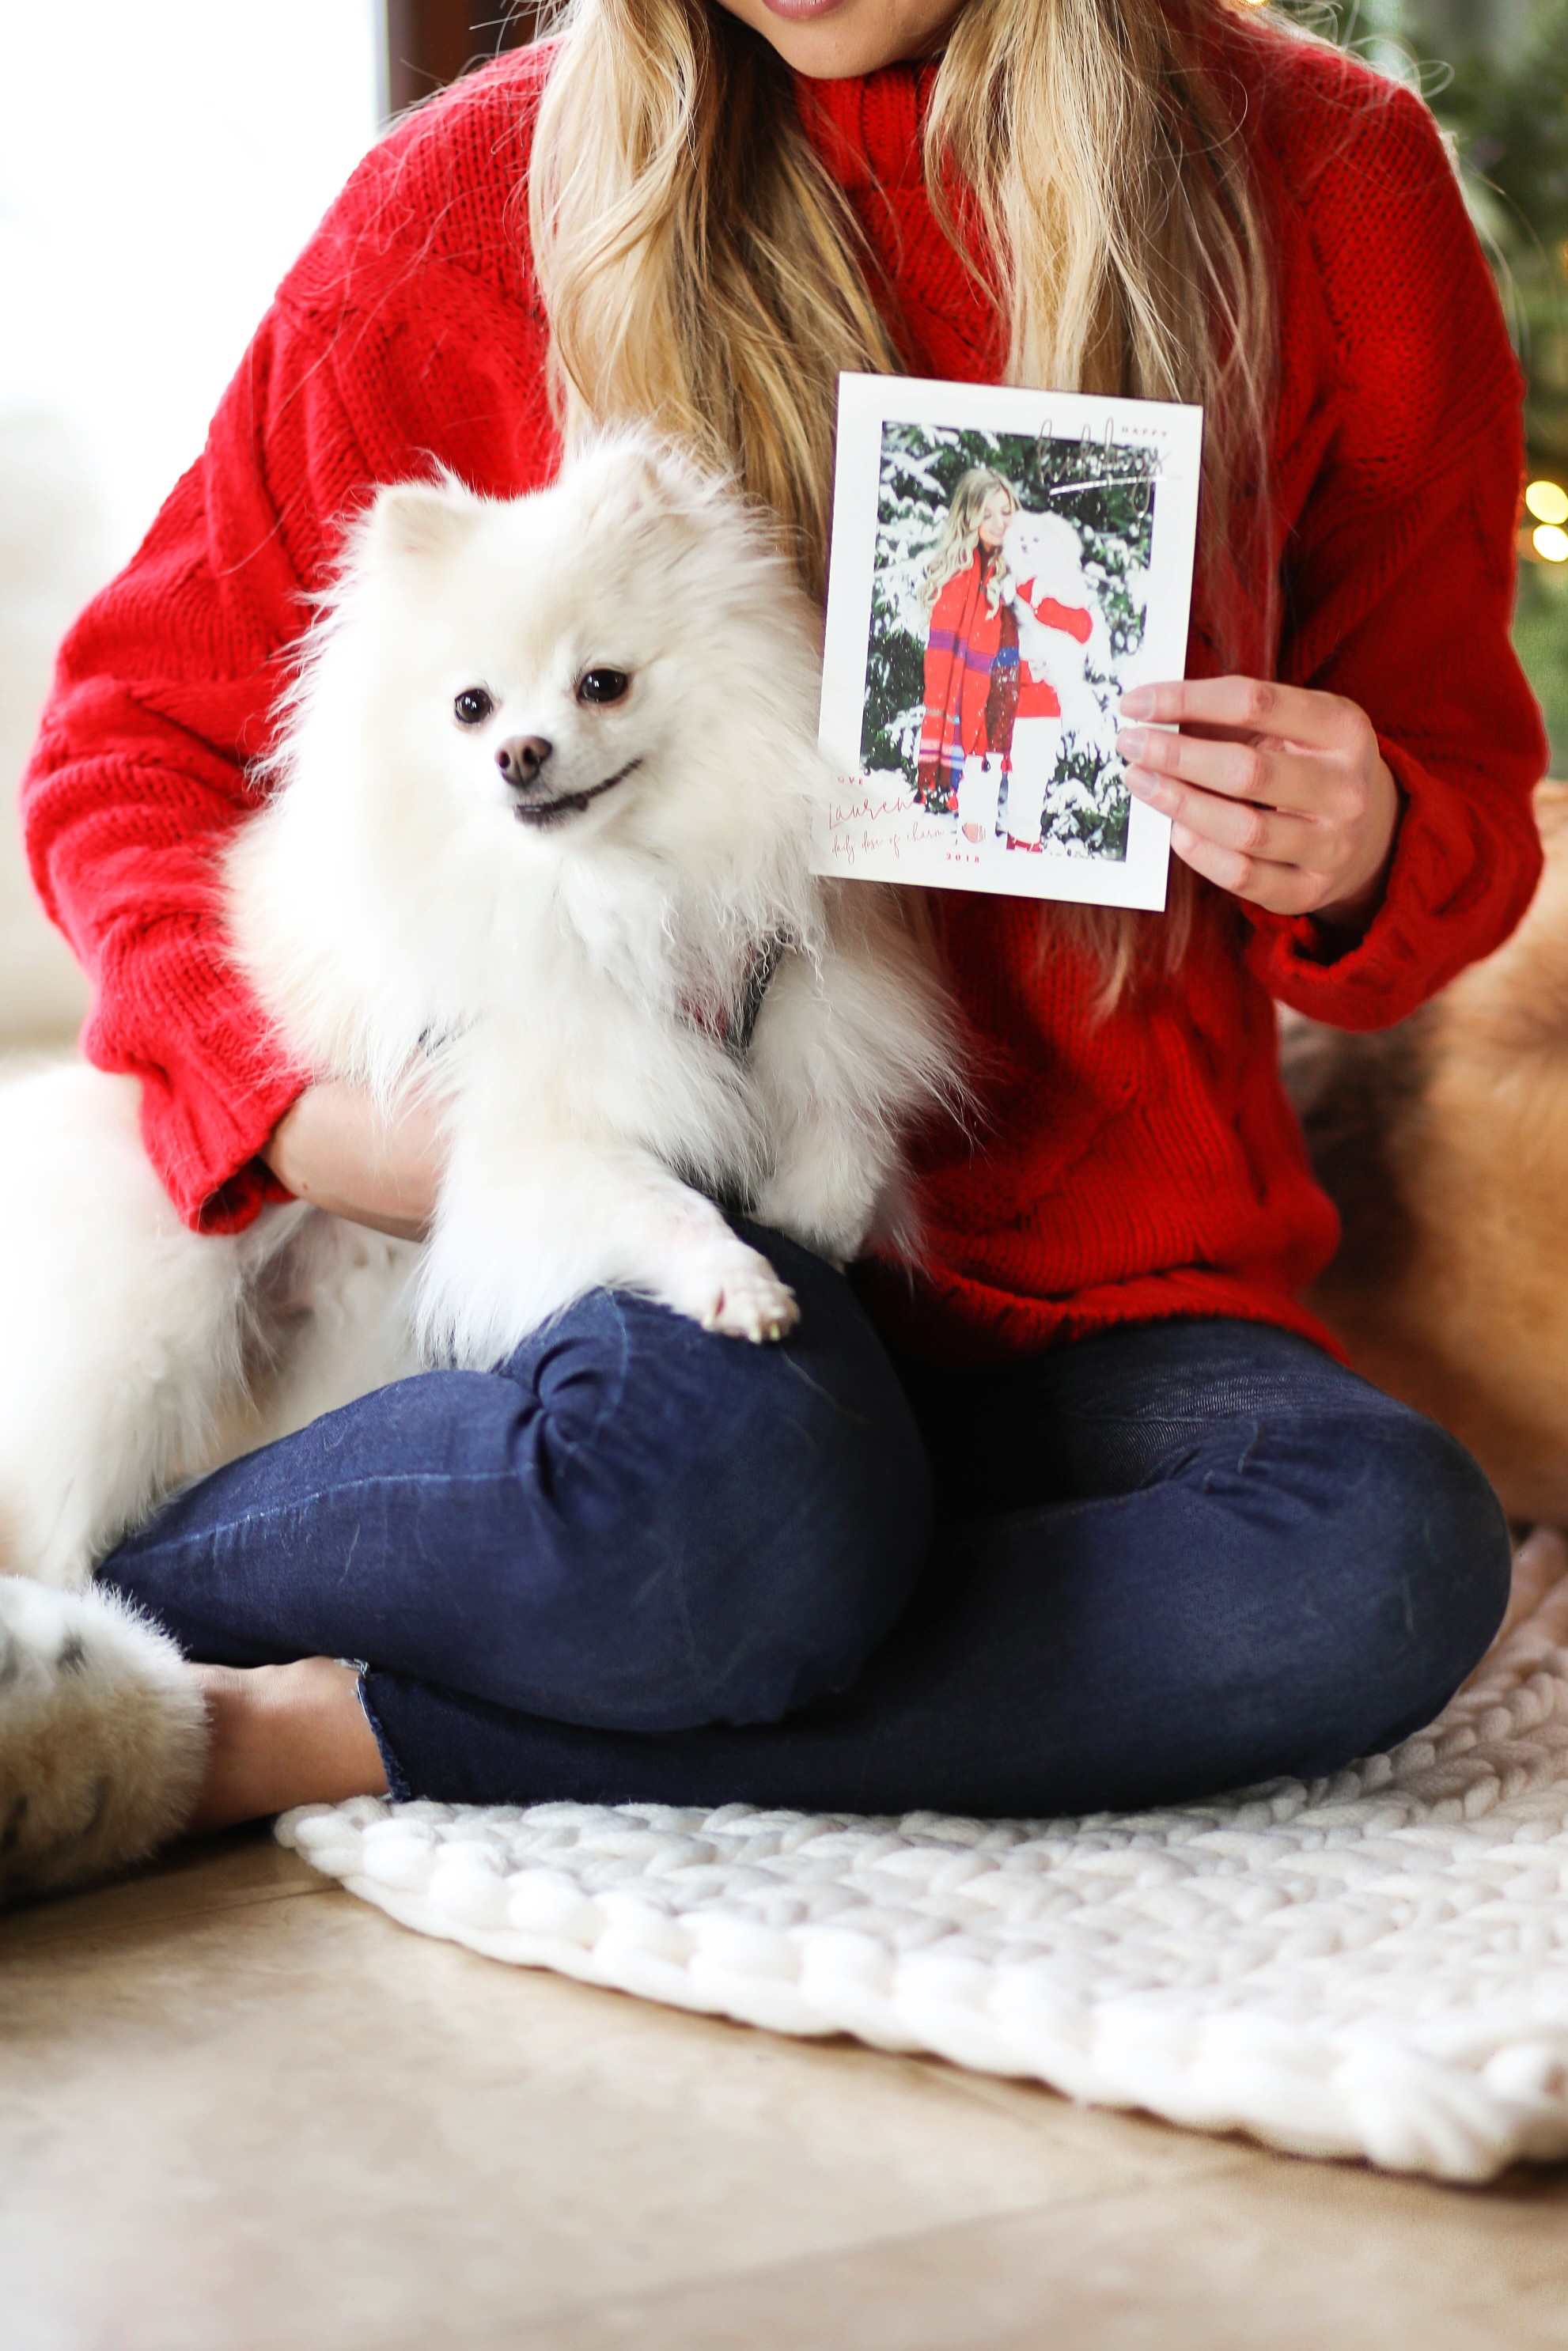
(1139, 1165)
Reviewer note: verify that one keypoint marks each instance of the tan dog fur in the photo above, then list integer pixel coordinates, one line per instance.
(1444, 1143)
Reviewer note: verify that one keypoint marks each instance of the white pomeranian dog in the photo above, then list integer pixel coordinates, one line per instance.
(1044, 555)
(537, 839)
(1061, 633)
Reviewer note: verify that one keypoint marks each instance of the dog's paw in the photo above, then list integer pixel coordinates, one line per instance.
(740, 1295)
(759, 1307)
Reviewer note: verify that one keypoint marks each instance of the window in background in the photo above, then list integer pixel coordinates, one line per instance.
(161, 164)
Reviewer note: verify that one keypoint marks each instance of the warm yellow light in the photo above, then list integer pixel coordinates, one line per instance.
(1547, 501)
(1552, 544)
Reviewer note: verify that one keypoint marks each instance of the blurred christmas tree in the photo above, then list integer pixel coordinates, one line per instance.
(1496, 75)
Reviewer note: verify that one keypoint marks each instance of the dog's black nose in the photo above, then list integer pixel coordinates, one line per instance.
(521, 759)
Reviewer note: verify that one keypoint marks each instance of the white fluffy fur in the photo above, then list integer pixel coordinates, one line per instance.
(1045, 553)
(562, 987)
(102, 1738)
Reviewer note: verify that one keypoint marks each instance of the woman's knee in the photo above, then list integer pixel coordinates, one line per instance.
(1414, 1562)
(742, 1524)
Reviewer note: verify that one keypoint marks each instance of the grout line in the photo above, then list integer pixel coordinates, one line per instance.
(70, 1926)
(1187, 2154)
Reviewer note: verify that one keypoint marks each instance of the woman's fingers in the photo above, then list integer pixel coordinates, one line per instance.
(1277, 793)
(1268, 776)
(1262, 881)
(1243, 824)
(1251, 705)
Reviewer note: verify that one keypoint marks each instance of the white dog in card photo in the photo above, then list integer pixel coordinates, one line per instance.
(1059, 621)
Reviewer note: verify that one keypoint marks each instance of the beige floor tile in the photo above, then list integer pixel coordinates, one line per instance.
(1270, 2256)
(239, 2110)
(226, 1872)
(286, 2121)
(1161, 2151)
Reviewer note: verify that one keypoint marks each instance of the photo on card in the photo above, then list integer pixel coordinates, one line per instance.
(1005, 565)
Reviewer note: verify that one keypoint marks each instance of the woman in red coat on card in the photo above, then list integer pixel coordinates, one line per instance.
(971, 656)
(1088, 1513)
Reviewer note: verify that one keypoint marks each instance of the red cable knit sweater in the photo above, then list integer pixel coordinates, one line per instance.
(1140, 1166)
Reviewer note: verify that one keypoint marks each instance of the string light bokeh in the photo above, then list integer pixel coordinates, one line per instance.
(1546, 502)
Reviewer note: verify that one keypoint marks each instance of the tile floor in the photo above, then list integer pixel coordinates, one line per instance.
(240, 2111)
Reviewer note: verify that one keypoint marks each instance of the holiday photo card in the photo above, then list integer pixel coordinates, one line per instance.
(1005, 565)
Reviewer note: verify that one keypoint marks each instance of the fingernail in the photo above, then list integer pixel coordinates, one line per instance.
(1140, 783)
(1138, 702)
(1132, 742)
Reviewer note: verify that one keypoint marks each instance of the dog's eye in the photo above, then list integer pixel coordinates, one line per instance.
(473, 706)
(603, 685)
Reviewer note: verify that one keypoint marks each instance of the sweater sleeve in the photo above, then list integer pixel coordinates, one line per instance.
(161, 696)
(1399, 582)
(1051, 614)
(381, 356)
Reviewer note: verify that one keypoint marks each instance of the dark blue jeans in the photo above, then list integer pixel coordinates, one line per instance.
(640, 1561)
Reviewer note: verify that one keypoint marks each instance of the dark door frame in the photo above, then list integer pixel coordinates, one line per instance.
(426, 44)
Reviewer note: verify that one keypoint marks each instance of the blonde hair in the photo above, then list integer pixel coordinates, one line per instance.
(699, 266)
(960, 534)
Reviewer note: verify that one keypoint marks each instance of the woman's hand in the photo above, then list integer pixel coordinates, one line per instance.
(1276, 793)
(336, 1149)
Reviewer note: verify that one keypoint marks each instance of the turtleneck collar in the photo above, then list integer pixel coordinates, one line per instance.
(867, 126)
(867, 131)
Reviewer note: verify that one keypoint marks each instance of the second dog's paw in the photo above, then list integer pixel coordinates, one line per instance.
(742, 1297)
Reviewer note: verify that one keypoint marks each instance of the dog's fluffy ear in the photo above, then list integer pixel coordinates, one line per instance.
(636, 478)
(419, 519)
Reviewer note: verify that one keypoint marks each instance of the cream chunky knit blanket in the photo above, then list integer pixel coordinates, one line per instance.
(1374, 1965)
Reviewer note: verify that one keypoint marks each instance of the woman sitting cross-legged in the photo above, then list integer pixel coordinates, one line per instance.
(1087, 1513)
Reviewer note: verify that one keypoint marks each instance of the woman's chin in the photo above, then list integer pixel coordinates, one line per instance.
(832, 40)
